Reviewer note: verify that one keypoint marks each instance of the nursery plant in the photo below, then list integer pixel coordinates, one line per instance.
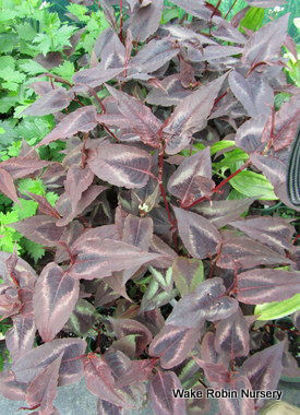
(165, 244)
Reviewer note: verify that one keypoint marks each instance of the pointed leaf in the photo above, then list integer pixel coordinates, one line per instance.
(207, 302)
(190, 116)
(20, 338)
(199, 236)
(173, 344)
(254, 93)
(41, 229)
(100, 381)
(161, 396)
(263, 369)
(83, 119)
(277, 309)
(192, 179)
(121, 165)
(55, 296)
(277, 232)
(259, 286)
(19, 167)
(145, 20)
(232, 336)
(43, 388)
(78, 180)
(55, 100)
(30, 364)
(7, 186)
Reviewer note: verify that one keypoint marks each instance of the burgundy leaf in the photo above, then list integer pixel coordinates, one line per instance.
(145, 20)
(222, 212)
(264, 44)
(138, 231)
(78, 180)
(96, 76)
(260, 286)
(7, 186)
(43, 388)
(192, 179)
(41, 87)
(277, 232)
(55, 296)
(263, 369)
(123, 327)
(121, 165)
(100, 381)
(30, 364)
(41, 229)
(214, 372)
(266, 3)
(232, 336)
(139, 371)
(13, 268)
(152, 56)
(140, 118)
(190, 116)
(55, 100)
(96, 235)
(82, 318)
(286, 123)
(44, 206)
(110, 256)
(243, 252)
(10, 303)
(20, 338)
(19, 167)
(248, 136)
(10, 388)
(197, 9)
(82, 119)
(161, 397)
(207, 302)
(198, 235)
(254, 93)
(171, 92)
(173, 344)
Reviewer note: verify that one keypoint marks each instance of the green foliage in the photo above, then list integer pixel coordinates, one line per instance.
(277, 309)
(252, 184)
(253, 19)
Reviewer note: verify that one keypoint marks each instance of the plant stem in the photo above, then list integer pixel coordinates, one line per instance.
(160, 183)
(220, 185)
(121, 21)
(230, 8)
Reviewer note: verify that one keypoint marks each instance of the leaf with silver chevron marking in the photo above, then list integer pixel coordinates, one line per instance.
(192, 179)
(140, 117)
(263, 368)
(31, 363)
(145, 20)
(259, 286)
(55, 100)
(277, 231)
(77, 181)
(232, 336)
(207, 302)
(264, 45)
(121, 165)
(191, 116)
(54, 299)
(41, 229)
(254, 93)
(20, 338)
(161, 396)
(198, 235)
(19, 167)
(242, 252)
(173, 344)
(100, 381)
(43, 388)
(101, 261)
(83, 119)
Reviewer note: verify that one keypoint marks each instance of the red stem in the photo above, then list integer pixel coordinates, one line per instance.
(220, 185)
(230, 8)
(161, 185)
(121, 21)
(296, 238)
